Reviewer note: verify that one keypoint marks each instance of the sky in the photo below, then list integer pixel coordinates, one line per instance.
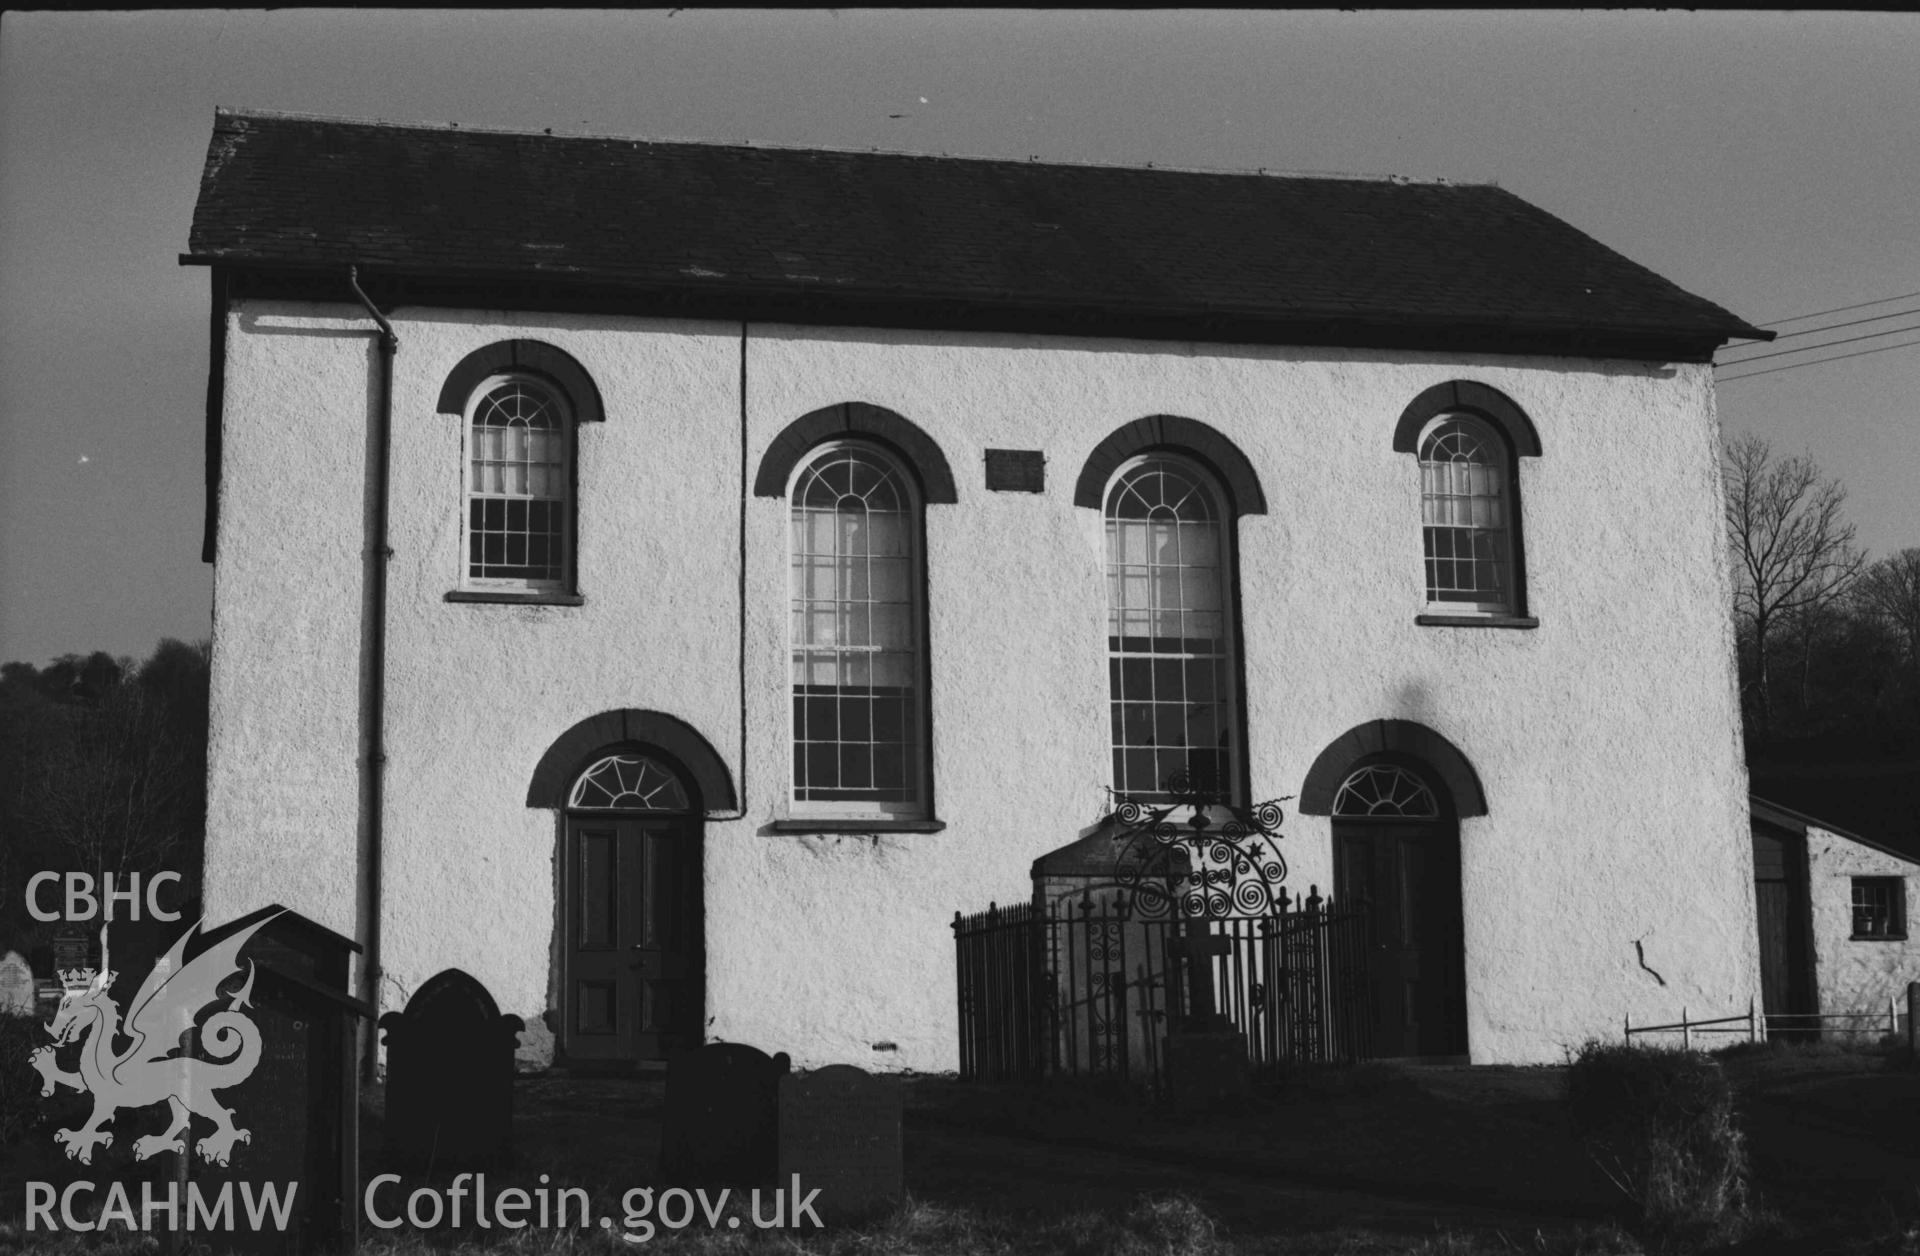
(1769, 162)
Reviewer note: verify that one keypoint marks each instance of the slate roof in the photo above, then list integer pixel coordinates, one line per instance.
(744, 229)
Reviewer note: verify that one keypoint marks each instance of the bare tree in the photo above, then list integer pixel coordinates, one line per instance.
(1889, 592)
(1793, 552)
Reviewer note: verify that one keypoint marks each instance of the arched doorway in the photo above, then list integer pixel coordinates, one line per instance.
(633, 967)
(1396, 843)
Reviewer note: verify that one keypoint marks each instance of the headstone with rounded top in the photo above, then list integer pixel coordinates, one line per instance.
(721, 1123)
(840, 1132)
(16, 986)
(450, 1075)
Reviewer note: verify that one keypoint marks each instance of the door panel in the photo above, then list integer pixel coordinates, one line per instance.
(1780, 899)
(634, 967)
(1409, 874)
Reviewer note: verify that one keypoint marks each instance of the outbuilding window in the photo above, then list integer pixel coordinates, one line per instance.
(1879, 908)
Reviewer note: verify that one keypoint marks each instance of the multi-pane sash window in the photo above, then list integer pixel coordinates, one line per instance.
(1171, 676)
(858, 697)
(1465, 511)
(1879, 907)
(518, 487)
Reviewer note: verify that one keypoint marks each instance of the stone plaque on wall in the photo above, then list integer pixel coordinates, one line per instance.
(840, 1132)
(1016, 470)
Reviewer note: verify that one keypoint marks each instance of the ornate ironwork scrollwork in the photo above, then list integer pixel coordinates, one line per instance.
(1219, 859)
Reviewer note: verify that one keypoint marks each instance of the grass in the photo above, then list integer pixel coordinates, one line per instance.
(1860, 1047)
(1379, 1160)
(1156, 1225)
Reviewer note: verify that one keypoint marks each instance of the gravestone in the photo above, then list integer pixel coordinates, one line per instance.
(300, 1101)
(450, 1076)
(1206, 1054)
(1207, 1069)
(16, 986)
(840, 1132)
(72, 949)
(722, 1118)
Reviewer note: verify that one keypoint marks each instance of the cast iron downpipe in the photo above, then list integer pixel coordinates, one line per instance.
(378, 553)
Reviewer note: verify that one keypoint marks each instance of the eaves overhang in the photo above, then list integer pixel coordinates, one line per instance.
(566, 290)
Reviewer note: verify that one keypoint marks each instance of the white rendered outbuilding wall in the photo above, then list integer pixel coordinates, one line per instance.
(1605, 739)
(1857, 976)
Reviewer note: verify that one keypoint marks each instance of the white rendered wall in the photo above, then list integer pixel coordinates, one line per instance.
(289, 589)
(1605, 739)
(1856, 976)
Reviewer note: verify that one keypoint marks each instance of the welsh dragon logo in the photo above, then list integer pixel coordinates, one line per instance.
(152, 1068)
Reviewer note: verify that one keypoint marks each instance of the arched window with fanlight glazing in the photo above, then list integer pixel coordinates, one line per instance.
(856, 628)
(1386, 791)
(519, 487)
(1173, 679)
(628, 781)
(1466, 509)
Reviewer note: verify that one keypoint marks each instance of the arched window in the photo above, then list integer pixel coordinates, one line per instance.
(628, 781)
(1173, 680)
(1466, 515)
(859, 693)
(1386, 790)
(519, 476)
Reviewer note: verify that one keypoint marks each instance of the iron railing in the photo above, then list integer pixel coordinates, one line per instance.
(1759, 1026)
(1085, 987)
(1751, 1024)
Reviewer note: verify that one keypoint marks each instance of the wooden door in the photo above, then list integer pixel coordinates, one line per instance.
(635, 969)
(1780, 898)
(1408, 872)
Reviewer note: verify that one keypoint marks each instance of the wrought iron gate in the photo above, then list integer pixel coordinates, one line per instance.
(1084, 986)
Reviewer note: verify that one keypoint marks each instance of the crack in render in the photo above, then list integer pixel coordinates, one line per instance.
(1640, 952)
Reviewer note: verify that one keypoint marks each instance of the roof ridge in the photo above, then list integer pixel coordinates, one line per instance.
(1344, 176)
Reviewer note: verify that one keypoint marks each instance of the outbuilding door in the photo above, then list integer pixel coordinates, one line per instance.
(1785, 926)
(1397, 850)
(633, 968)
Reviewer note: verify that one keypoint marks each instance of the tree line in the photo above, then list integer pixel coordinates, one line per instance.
(1828, 640)
(103, 768)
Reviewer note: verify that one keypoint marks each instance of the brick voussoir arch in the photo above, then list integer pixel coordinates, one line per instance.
(1403, 737)
(1183, 435)
(1464, 394)
(573, 750)
(856, 420)
(533, 356)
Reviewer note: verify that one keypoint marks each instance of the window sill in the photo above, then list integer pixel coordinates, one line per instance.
(1476, 621)
(1877, 937)
(854, 824)
(511, 598)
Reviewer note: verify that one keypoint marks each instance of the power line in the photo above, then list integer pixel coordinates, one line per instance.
(1794, 366)
(1840, 309)
(1828, 344)
(1814, 331)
